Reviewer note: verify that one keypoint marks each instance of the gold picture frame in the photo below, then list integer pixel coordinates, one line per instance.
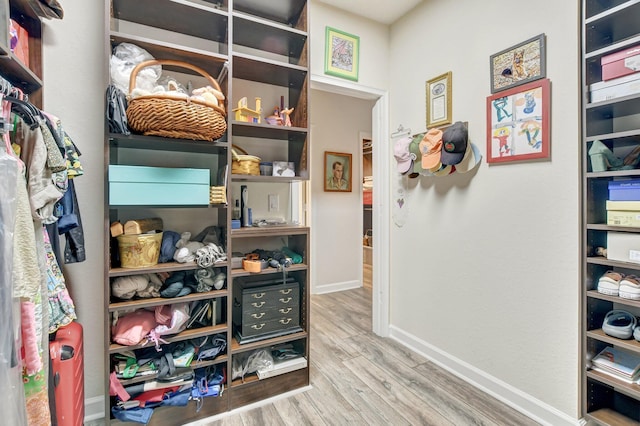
(439, 100)
(338, 171)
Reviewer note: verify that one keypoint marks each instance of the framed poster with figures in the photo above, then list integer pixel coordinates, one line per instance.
(518, 122)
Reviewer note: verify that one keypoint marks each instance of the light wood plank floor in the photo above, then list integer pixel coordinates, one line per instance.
(359, 378)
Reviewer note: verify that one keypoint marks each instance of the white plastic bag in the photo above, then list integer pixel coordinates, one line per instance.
(125, 57)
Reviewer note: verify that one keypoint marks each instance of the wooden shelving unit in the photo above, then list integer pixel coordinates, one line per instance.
(227, 40)
(607, 27)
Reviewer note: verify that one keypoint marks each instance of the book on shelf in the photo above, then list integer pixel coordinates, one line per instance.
(618, 361)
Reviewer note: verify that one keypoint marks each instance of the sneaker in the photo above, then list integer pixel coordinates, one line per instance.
(630, 287)
(609, 283)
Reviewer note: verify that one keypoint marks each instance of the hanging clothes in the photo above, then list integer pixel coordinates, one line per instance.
(12, 404)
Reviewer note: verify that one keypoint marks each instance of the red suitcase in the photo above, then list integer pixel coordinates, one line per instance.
(67, 364)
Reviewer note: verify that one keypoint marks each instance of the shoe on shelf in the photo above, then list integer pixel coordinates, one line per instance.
(633, 158)
(609, 283)
(603, 159)
(630, 287)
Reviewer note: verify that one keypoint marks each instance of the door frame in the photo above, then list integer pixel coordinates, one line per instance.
(381, 171)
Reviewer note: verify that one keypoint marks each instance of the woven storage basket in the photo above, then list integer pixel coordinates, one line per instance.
(244, 164)
(174, 116)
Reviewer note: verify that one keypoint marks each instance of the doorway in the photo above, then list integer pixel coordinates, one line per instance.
(365, 142)
(381, 210)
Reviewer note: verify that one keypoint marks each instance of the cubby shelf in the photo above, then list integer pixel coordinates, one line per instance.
(241, 43)
(607, 27)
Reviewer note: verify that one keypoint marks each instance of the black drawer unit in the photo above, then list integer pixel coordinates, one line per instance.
(266, 309)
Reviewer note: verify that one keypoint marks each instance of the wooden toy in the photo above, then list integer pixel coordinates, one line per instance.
(243, 113)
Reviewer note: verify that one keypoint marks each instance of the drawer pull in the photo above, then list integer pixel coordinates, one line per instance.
(258, 316)
(285, 311)
(287, 300)
(285, 321)
(257, 305)
(285, 291)
(258, 295)
(257, 326)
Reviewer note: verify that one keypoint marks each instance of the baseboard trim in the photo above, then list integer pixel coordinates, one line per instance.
(93, 409)
(332, 288)
(513, 397)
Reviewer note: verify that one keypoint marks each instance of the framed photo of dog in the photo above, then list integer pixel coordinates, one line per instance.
(518, 123)
(519, 64)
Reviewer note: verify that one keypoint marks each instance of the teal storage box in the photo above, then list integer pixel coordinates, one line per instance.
(157, 186)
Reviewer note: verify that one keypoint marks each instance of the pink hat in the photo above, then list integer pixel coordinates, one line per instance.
(402, 154)
(430, 147)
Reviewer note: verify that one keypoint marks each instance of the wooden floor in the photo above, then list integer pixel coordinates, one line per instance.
(359, 378)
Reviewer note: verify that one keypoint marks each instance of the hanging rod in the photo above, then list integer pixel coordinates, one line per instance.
(401, 131)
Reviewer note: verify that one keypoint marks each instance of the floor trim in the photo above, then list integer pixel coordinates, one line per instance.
(331, 288)
(93, 409)
(515, 398)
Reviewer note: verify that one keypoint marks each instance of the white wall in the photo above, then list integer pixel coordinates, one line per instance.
(74, 80)
(374, 43)
(485, 272)
(485, 269)
(336, 217)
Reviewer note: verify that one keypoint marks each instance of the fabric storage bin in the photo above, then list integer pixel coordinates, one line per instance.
(624, 190)
(142, 185)
(621, 63)
(623, 246)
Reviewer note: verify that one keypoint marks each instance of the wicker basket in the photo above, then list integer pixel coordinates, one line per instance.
(244, 164)
(174, 116)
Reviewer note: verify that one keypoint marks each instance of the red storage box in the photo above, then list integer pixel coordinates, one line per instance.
(367, 198)
(621, 63)
(67, 367)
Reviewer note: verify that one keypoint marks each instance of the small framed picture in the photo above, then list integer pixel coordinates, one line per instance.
(337, 171)
(518, 122)
(439, 100)
(283, 169)
(518, 64)
(342, 54)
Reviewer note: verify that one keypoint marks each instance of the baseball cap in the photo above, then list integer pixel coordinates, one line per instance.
(454, 143)
(414, 152)
(402, 155)
(430, 147)
(472, 156)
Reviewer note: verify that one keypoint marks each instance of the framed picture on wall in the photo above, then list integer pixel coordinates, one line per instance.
(518, 64)
(342, 54)
(439, 100)
(337, 172)
(518, 122)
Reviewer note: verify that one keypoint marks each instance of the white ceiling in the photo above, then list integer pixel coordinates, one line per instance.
(384, 11)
